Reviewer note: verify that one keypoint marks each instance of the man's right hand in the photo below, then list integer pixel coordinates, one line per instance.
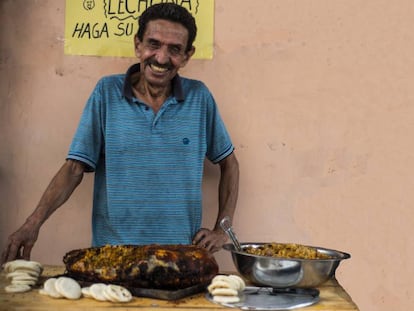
(20, 243)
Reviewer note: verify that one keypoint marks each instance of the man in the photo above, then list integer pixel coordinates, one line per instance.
(146, 134)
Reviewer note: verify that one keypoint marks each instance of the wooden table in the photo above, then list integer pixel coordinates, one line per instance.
(332, 297)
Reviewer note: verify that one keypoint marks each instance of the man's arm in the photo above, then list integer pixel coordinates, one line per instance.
(213, 240)
(21, 242)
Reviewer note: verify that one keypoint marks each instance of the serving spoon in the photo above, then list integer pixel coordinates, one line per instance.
(225, 224)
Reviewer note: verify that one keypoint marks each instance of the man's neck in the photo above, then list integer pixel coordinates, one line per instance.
(153, 96)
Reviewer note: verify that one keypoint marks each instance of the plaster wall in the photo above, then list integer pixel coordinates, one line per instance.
(317, 96)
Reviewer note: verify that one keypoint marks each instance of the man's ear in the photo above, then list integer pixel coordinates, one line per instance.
(137, 47)
(188, 55)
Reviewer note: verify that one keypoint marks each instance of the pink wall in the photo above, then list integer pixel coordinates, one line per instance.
(318, 98)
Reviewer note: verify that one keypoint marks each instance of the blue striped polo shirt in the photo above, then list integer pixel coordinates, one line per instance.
(148, 167)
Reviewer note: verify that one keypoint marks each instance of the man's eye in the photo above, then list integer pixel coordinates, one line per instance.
(175, 50)
(153, 45)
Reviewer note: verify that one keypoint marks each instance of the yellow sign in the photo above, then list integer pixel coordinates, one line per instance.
(108, 27)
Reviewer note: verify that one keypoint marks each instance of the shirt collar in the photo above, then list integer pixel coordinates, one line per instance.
(177, 90)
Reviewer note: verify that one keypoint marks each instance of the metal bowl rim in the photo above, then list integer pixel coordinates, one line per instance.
(341, 255)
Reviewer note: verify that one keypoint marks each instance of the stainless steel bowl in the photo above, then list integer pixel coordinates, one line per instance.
(285, 272)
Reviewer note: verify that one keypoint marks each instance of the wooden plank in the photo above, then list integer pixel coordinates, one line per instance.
(332, 297)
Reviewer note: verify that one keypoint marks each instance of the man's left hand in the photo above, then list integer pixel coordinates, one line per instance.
(212, 240)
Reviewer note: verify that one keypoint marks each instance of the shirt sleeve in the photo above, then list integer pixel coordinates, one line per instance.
(219, 144)
(88, 142)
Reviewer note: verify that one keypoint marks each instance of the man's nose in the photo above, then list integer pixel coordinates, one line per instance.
(163, 55)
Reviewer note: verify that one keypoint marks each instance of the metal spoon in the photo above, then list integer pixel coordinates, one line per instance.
(225, 224)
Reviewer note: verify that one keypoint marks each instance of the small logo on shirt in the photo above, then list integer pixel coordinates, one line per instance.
(186, 141)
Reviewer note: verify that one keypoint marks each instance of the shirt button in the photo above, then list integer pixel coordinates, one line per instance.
(146, 108)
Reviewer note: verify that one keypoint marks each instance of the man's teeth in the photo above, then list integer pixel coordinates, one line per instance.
(157, 68)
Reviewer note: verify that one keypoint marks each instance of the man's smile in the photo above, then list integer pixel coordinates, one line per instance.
(158, 69)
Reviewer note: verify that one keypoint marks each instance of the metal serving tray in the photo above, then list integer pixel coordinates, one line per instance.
(268, 298)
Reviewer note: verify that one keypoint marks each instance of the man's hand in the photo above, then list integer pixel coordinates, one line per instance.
(212, 240)
(20, 243)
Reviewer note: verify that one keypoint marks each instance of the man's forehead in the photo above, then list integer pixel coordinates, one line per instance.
(166, 29)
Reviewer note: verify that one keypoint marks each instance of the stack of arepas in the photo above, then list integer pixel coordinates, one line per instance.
(226, 288)
(22, 274)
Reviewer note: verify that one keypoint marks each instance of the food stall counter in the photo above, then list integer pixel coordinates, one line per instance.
(332, 295)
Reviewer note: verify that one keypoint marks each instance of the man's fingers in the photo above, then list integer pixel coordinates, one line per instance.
(199, 236)
(26, 251)
(211, 247)
(4, 255)
(10, 253)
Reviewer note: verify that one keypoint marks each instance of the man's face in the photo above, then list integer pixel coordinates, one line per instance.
(162, 51)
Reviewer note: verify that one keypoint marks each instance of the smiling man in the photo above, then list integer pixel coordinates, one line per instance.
(145, 134)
